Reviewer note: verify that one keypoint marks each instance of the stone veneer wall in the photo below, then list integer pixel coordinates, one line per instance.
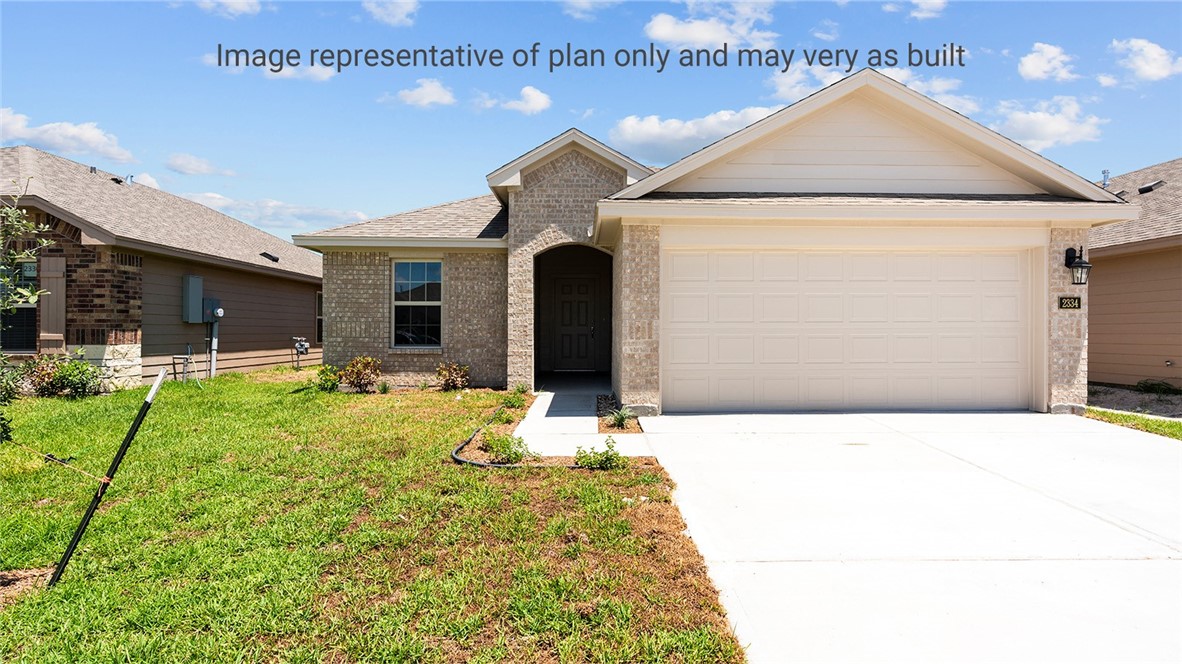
(636, 287)
(555, 206)
(357, 301)
(1067, 347)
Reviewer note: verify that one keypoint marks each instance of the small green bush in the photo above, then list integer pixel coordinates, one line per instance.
(62, 375)
(1155, 386)
(362, 373)
(328, 378)
(503, 416)
(452, 376)
(609, 459)
(10, 382)
(505, 448)
(383, 387)
(521, 388)
(39, 373)
(619, 418)
(513, 400)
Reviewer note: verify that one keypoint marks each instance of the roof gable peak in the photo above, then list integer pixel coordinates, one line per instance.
(508, 177)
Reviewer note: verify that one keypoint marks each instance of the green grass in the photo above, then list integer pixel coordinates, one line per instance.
(1167, 428)
(258, 520)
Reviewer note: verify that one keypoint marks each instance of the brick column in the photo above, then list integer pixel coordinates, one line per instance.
(636, 285)
(1067, 347)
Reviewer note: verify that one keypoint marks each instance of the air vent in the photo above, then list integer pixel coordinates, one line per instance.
(117, 180)
(1146, 188)
(271, 257)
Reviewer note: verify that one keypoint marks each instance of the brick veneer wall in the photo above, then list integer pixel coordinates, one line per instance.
(636, 286)
(1067, 347)
(555, 206)
(357, 301)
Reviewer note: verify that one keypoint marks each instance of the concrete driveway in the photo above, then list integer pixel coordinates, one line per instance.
(935, 537)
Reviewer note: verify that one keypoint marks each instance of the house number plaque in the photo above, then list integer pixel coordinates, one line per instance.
(1070, 302)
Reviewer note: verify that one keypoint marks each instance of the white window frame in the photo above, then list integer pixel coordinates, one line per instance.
(394, 304)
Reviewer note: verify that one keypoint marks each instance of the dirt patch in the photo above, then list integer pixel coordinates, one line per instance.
(14, 582)
(288, 375)
(604, 405)
(1133, 401)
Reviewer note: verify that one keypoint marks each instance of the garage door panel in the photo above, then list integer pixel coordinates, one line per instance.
(826, 330)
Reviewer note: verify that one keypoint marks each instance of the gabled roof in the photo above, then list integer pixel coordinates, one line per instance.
(479, 221)
(1161, 207)
(139, 217)
(1022, 162)
(508, 176)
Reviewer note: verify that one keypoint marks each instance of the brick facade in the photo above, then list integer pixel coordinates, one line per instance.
(1067, 347)
(636, 290)
(555, 206)
(357, 317)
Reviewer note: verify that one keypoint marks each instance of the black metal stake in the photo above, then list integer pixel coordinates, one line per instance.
(106, 480)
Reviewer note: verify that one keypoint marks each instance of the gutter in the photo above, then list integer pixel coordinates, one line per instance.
(370, 242)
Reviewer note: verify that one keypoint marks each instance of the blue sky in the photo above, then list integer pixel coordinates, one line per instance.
(133, 88)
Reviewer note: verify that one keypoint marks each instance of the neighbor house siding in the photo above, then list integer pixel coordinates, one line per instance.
(1135, 317)
(263, 313)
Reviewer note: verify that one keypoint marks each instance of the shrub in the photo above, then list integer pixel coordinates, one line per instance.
(513, 400)
(362, 373)
(57, 375)
(10, 382)
(609, 459)
(452, 376)
(39, 373)
(1155, 386)
(328, 378)
(383, 387)
(502, 416)
(619, 418)
(505, 448)
(520, 388)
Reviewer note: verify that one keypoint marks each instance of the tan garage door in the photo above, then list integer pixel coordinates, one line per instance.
(767, 330)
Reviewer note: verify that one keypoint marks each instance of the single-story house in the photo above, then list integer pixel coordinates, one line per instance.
(1135, 316)
(122, 255)
(864, 248)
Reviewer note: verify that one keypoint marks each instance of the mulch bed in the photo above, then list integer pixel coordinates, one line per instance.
(13, 582)
(604, 405)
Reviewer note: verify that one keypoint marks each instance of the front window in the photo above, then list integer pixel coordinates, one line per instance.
(319, 317)
(418, 304)
(18, 328)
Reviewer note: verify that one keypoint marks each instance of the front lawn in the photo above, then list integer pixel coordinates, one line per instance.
(1167, 428)
(256, 520)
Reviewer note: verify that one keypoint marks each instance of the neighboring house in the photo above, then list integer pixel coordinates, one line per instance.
(1135, 314)
(115, 272)
(864, 248)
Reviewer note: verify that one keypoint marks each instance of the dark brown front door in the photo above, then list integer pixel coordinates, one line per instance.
(574, 343)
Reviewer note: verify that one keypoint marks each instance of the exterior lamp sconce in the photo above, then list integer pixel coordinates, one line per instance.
(1080, 267)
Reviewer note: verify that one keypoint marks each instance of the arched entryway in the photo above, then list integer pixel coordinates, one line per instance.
(572, 311)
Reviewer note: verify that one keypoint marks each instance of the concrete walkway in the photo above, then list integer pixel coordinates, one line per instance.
(935, 537)
(562, 418)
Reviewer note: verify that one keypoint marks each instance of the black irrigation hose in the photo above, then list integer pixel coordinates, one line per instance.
(455, 454)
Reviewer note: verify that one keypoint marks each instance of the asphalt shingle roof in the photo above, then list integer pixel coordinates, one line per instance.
(482, 217)
(761, 198)
(142, 214)
(1161, 209)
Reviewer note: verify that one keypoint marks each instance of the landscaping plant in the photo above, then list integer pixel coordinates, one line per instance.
(328, 378)
(619, 418)
(452, 376)
(505, 448)
(1155, 386)
(52, 375)
(362, 373)
(514, 400)
(608, 459)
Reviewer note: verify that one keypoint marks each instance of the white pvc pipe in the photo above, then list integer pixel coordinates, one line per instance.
(213, 350)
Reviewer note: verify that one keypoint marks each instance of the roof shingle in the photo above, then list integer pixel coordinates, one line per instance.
(142, 214)
(482, 217)
(1161, 208)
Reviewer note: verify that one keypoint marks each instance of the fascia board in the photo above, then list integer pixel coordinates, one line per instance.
(317, 242)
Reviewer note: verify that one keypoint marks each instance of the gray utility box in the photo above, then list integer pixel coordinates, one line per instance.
(192, 294)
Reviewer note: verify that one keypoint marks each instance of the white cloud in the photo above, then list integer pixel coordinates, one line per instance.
(939, 88)
(399, 13)
(585, 10)
(67, 137)
(1146, 60)
(663, 141)
(1058, 121)
(317, 73)
(891, 7)
(711, 24)
(826, 31)
(1106, 80)
(231, 8)
(484, 100)
(532, 101)
(147, 180)
(187, 164)
(276, 216)
(803, 80)
(925, 9)
(430, 92)
(1046, 61)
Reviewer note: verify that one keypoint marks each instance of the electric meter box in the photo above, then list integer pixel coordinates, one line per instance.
(192, 296)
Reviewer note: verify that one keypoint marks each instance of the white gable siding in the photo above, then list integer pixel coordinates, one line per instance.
(854, 147)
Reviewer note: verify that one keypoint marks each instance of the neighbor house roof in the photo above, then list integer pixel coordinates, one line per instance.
(139, 217)
(1161, 206)
(474, 222)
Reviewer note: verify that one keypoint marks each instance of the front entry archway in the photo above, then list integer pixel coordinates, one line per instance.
(572, 310)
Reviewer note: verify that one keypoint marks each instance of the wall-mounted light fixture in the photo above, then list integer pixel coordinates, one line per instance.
(1080, 267)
